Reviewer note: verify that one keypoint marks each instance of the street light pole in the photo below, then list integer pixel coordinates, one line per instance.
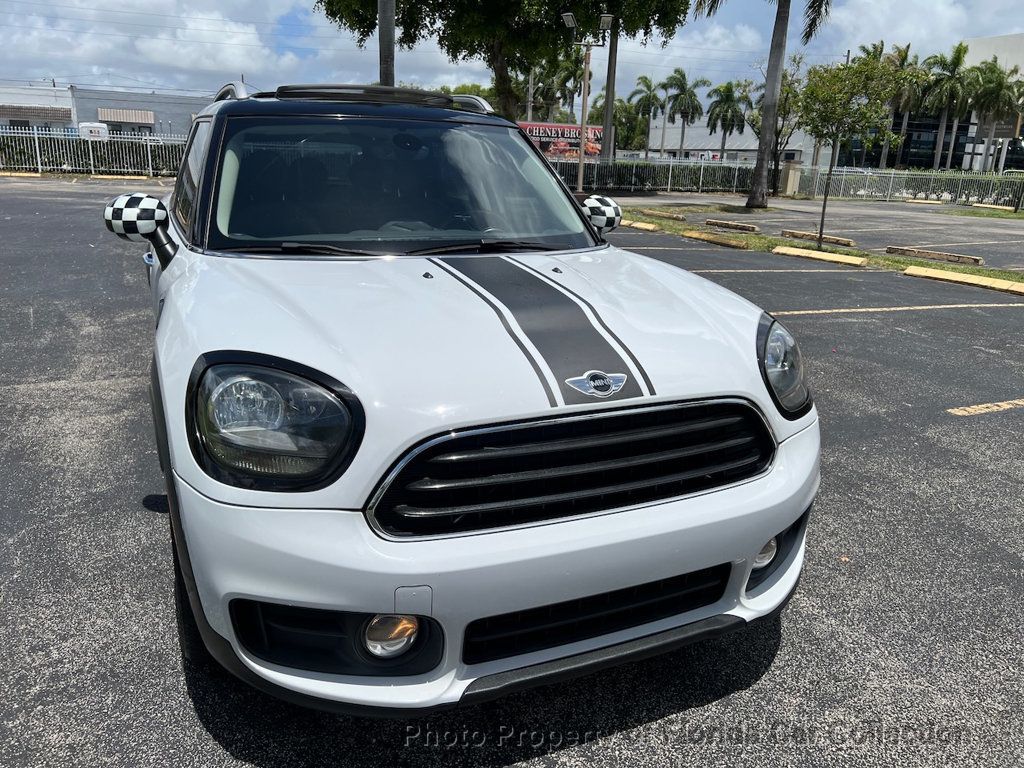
(608, 137)
(585, 93)
(606, 23)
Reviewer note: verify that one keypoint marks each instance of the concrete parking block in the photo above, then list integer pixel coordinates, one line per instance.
(924, 253)
(737, 225)
(707, 237)
(835, 258)
(831, 239)
(995, 284)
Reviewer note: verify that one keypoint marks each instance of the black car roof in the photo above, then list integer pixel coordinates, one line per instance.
(271, 104)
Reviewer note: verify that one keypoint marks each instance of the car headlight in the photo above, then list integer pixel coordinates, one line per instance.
(267, 428)
(782, 368)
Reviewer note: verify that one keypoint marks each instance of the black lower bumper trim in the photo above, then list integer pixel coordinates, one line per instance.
(503, 683)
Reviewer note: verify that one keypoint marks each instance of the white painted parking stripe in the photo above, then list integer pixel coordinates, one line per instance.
(829, 271)
(868, 310)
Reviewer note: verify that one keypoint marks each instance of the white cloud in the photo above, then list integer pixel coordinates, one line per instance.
(199, 44)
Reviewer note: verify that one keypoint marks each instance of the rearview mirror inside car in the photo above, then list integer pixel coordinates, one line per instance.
(603, 212)
(139, 217)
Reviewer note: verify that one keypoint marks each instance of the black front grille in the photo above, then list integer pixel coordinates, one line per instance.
(549, 626)
(522, 473)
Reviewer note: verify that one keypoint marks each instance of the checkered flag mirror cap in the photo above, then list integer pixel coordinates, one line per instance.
(135, 216)
(603, 212)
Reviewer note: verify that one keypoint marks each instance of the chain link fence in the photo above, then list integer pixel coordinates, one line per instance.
(48, 150)
(950, 187)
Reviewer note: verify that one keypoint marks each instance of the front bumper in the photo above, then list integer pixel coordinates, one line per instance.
(332, 559)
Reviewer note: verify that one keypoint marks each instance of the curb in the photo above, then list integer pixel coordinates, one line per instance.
(835, 258)
(640, 225)
(956, 258)
(830, 239)
(733, 225)
(662, 214)
(715, 239)
(99, 177)
(924, 202)
(993, 207)
(1007, 286)
(21, 174)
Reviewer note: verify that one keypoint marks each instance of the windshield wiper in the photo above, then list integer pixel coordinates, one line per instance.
(486, 246)
(312, 248)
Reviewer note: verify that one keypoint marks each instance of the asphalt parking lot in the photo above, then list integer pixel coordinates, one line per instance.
(877, 225)
(902, 645)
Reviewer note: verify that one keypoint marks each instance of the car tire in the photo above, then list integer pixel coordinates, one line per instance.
(190, 641)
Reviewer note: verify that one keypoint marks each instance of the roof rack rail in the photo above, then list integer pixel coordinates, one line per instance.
(233, 90)
(473, 103)
(373, 93)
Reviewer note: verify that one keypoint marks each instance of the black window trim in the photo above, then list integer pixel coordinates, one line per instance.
(188, 229)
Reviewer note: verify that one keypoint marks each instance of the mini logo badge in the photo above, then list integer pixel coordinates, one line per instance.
(598, 383)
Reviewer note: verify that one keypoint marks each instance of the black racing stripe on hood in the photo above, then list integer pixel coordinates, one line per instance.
(508, 329)
(600, 321)
(556, 325)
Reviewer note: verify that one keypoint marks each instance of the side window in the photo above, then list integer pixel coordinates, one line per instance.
(189, 173)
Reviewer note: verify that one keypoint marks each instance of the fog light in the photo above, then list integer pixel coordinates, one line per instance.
(764, 558)
(388, 635)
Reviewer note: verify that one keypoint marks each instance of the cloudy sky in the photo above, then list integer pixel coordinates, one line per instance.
(200, 44)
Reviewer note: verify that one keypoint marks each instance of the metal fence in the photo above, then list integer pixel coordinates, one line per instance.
(48, 150)
(657, 176)
(950, 187)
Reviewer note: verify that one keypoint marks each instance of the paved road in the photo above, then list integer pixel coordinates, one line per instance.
(876, 225)
(902, 645)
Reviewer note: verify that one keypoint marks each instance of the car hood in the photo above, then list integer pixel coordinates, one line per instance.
(431, 344)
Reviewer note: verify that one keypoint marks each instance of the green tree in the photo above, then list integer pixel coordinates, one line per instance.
(630, 126)
(846, 100)
(815, 14)
(727, 111)
(948, 86)
(509, 37)
(648, 103)
(997, 99)
(683, 101)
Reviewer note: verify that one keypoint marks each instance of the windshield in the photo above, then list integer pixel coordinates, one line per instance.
(386, 186)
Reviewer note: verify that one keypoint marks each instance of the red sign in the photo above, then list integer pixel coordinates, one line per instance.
(562, 140)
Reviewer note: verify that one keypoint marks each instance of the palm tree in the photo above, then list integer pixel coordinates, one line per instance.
(815, 14)
(874, 51)
(728, 111)
(907, 95)
(997, 99)
(647, 102)
(948, 85)
(569, 80)
(683, 102)
(961, 107)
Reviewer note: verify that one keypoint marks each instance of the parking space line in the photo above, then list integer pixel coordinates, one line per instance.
(977, 410)
(868, 310)
(829, 271)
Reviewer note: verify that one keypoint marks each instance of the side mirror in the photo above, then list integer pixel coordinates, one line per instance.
(139, 217)
(603, 212)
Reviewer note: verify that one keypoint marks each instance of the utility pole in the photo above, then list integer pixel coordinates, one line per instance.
(608, 138)
(386, 40)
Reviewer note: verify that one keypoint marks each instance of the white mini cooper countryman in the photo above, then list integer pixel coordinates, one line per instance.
(427, 437)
